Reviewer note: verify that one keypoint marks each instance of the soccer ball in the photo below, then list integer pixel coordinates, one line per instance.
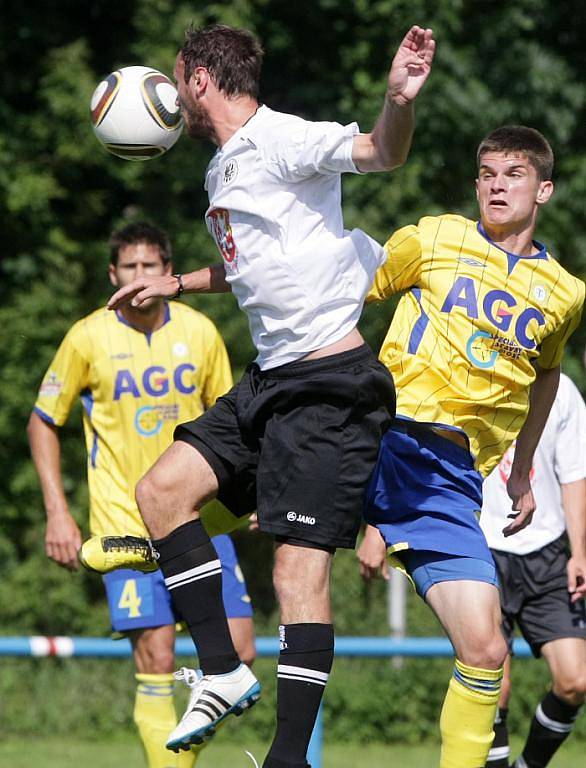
(135, 113)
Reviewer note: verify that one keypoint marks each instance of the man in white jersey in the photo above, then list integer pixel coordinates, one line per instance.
(542, 586)
(298, 436)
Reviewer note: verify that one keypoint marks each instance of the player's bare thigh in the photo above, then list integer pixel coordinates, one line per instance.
(174, 489)
(470, 613)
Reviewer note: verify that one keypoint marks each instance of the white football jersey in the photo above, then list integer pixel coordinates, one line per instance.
(560, 458)
(275, 214)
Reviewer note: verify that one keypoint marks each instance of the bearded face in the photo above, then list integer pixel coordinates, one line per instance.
(197, 122)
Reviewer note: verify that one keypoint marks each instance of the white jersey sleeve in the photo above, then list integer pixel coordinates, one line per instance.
(324, 148)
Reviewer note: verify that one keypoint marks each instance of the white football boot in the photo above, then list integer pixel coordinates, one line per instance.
(212, 699)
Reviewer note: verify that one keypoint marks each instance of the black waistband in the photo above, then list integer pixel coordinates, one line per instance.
(360, 354)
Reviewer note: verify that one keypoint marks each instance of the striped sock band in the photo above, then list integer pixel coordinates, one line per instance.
(302, 674)
(484, 681)
(211, 568)
(155, 685)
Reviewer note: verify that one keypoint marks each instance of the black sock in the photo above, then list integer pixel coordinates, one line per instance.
(307, 653)
(193, 575)
(550, 727)
(498, 757)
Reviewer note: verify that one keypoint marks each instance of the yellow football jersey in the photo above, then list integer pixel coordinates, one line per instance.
(135, 388)
(473, 321)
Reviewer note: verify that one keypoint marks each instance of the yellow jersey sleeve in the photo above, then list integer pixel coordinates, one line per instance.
(217, 377)
(65, 378)
(402, 269)
(552, 347)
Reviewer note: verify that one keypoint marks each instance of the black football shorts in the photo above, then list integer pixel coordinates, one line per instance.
(298, 443)
(534, 594)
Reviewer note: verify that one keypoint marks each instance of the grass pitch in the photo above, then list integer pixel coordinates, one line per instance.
(53, 753)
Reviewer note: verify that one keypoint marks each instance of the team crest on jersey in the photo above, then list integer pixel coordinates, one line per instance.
(180, 349)
(219, 226)
(51, 386)
(540, 294)
(230, 172)
(480, 350)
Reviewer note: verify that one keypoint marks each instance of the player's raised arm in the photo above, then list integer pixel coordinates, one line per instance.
(387, 146)
(206, 280)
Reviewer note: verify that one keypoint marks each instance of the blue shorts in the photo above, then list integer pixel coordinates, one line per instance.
(425, 494)
(141, 600)
(429, 568)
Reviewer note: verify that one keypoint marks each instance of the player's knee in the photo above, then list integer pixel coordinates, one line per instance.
(150, 493)
(485, 651)
(155, 661)
(572, 688)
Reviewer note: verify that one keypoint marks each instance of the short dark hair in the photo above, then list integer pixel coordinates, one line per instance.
(520, 138)
(135, 234)
(233, 57)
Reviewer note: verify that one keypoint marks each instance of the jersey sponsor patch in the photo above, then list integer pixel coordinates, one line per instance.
(155, 381)
(150, 418)
(51, 386)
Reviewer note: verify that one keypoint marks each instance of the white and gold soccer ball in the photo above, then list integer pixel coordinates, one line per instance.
(135, 114)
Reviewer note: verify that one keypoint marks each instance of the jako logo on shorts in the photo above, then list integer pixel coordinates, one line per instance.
(293, 517)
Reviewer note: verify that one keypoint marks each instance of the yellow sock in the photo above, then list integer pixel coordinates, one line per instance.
(467, 717)
(155, 718)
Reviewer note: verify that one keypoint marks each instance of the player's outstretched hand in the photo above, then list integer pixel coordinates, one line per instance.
(63, 540)
(144, 288)
(372, 555)
(519, 490)
(411, 65)
(576, 571)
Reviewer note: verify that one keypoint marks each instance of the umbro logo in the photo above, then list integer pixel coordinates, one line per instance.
(293, 517)
(471, 262)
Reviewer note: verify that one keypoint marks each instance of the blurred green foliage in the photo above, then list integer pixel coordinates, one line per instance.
(61, 195)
